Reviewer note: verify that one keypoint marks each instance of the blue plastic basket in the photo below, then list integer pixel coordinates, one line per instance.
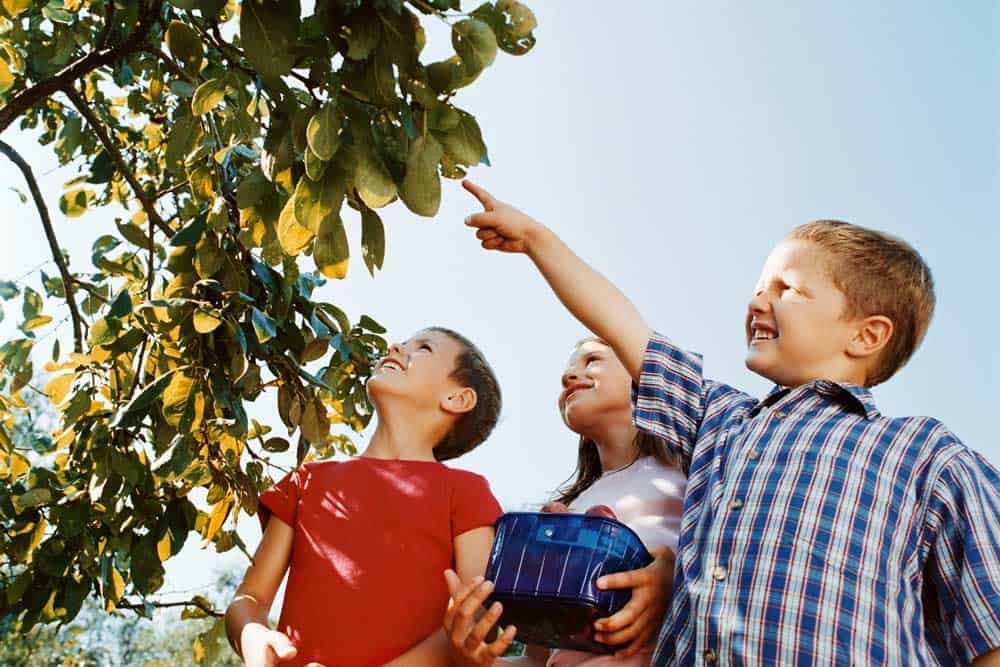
(545, 567)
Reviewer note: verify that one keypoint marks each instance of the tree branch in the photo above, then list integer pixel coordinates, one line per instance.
(29, 97)
(125, 604)
(99, 129)
(171, 64)
(50, 235)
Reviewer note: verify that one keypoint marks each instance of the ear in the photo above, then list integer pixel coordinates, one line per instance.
(459, 401)
(871, 336)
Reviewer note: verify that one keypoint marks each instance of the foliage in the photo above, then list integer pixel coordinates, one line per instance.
(234, 135)
(99, 639)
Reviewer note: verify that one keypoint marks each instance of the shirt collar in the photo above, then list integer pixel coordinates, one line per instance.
(854, 397)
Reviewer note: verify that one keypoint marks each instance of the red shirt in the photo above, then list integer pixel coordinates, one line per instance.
(372, 540)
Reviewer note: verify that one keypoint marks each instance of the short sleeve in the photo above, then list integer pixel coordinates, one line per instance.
(669, 401)
(281, 500)
(964, 561)
(473, 505)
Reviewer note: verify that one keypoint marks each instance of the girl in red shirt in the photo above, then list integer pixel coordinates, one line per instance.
(365, 540)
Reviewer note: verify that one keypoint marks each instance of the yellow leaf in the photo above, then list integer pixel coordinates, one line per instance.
(331, 252)
(36, 322)
(218, 516)
(74, 203)
(19, 465)
(206, 320)
(113, 594)
(208, 96)
(163, 547)
(6, 77)
(199, 651)
(58, 387)
(15, 7)
(294, 237)
(63, 438)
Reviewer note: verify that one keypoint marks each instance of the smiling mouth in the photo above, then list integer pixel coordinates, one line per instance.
(391, 365)
(573, 392)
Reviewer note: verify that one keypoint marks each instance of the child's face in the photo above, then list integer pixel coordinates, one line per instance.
(418, 369)
(596, 387)
(796, 328)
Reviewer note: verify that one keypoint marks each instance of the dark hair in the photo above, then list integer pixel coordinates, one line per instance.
(588, 463)
(472, 427)
(588, 460)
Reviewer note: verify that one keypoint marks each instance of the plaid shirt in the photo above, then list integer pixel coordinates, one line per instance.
(818, 532)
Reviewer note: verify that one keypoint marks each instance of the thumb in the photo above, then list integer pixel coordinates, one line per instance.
(282, 646)
(485, 198)
(454, 583)
(556, 508)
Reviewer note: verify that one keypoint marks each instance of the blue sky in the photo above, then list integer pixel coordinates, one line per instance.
(671, 145)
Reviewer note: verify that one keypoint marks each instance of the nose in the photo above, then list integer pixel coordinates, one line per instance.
(569, 376)
(396, 349)
(759, 303)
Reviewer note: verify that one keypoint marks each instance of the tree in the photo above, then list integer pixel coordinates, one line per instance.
(234, 135)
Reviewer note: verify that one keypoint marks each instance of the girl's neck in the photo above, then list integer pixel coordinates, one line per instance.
(615, 444)
(406, 438)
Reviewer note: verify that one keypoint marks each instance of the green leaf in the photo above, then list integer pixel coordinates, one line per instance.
(122, 305)
(8, 290)
(252, 189)
(207, 320)
(372, 239)
(185, 45)
(269, 34)
(512, 22)
(136, 409)
(208, 96)
(331, 251)
(323, 132)
(316, 200)
(464, 142)
(31, 498)
(315, 167)
(276, 445)
(371, 179)
(421, 187)
(103, 331)
(263, 326)
(209, 257)
(190, 234)
(371, 325)
(474, 43)
(181, 140)
(74, 203)
(362, 33)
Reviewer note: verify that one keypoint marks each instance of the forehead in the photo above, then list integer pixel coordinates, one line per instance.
(585, 348)
(438, 340)
(802, 258)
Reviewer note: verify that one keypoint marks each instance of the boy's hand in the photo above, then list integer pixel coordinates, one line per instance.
(501, 226)
(638, 621)
(263, 647)
(467, 635)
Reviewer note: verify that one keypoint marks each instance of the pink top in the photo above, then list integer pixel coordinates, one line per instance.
(648, 497)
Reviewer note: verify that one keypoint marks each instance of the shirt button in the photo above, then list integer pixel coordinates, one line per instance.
(710, 656)
(780, 414)
(719, 573)
(736, 504)
(753, 454)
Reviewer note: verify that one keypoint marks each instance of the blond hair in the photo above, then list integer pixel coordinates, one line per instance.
(880, 275)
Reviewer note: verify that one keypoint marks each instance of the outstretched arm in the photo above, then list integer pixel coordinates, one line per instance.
(589, 296)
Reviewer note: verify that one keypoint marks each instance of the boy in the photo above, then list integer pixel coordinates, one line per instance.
(815, 530)
(365, 539)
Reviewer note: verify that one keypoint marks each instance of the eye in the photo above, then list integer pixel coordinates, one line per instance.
(424, 346)
(591, 360)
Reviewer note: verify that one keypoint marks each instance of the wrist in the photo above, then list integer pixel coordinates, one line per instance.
(537, 237)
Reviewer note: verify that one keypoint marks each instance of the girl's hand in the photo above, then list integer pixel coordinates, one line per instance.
(264, 647)
(638, 621)
(467, 635)
(501, 226)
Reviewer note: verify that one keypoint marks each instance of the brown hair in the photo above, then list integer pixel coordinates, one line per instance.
(472, 427)
(588, 461)
(880, 275)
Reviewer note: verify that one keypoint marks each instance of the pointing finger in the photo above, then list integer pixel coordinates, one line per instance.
(484, 197)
